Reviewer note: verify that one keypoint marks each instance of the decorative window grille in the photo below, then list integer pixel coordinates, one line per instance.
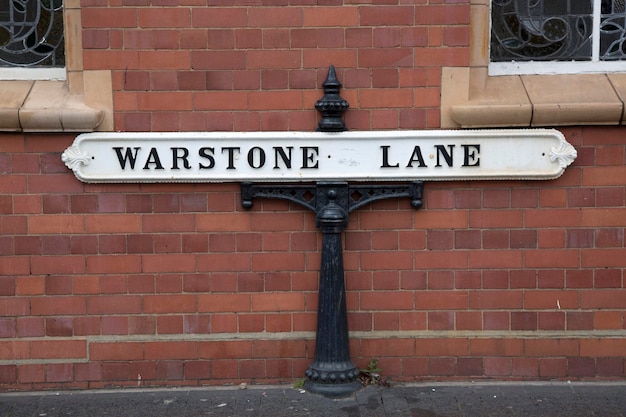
(31, 33)
(547, 36)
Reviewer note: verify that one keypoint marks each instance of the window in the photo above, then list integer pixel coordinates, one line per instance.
(43, 83)
(31, 39)
(584, 93)
(550, 36)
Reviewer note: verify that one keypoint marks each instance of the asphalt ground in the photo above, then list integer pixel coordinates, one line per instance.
(415, 400)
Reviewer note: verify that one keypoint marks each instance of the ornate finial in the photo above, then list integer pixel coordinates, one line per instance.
(332, 106)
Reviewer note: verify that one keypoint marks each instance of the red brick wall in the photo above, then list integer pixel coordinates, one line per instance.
(109, 285)
(102, 283)
(257, 65)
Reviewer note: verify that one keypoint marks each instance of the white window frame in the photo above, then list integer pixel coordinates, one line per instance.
(561, 67)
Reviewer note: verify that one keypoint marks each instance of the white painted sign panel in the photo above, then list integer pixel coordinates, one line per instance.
(315, 156)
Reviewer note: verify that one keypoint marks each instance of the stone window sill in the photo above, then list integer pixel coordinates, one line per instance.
(37, 106)
(472, 99)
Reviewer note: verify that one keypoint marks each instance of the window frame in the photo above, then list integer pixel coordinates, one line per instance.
(471, 98)
(594, 65)
(78, 101)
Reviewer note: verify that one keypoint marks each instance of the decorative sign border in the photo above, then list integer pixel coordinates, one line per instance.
(436, 155)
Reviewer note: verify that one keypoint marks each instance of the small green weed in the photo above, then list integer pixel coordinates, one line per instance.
(372, 374)
(299, 383)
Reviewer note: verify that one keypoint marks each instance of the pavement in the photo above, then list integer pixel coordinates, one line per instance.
(577, 399)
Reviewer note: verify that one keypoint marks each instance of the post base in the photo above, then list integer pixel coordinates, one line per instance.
(333, 390)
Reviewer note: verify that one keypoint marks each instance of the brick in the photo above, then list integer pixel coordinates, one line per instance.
(603, 176)
(170, 263)
(551, 258)
(441, 300)
(546, 299)
(441, 347)
(226, 222)
(380, 300)
(444, 219)
(219, 17)
(496, 218)
(31, 373)
(53, 224)
(551, 320)
(112, 223)
(278, 348)
(141, 325)
(609, 196)
(59, 372)
(114, 264)
(607, 320)
(59, 327)
(596, 347)
(116, 351)
(524, 320)
(277, 302)
(30, 327)
(525, 367)
(171, 324)
(603, 258)
(440, 259)
(441, 320)
(386, 321)
(169, 303)
(609, 237)
(497, 366)
(197, 370)
(381, 260)
(487, 259)
(223, 303)
(163, 17)
(495, 299)
(59, 349)
(495, 279)
(602, 217)
(440, 240)
(551, 347)
(379, 347)
(217, 350)
(468, 320)
(277, 261)
(524, 279)
(581, 367)
(122, 304)
(117, 18)
(579, 320)
(84, 326)
(171, 350)
(45, 306)
(552, 367)
(380, 98)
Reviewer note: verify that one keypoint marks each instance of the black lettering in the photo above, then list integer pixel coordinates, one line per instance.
(231, 156)
(386, 164)
(261, 158)
(416, 156)
(441, 151)
(471, 159)
(128, 156)
(153, 158)
(184, 158)
(280, 152)
(207, 153)
(309, 157)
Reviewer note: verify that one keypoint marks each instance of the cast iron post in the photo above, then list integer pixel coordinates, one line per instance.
(332, 372)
